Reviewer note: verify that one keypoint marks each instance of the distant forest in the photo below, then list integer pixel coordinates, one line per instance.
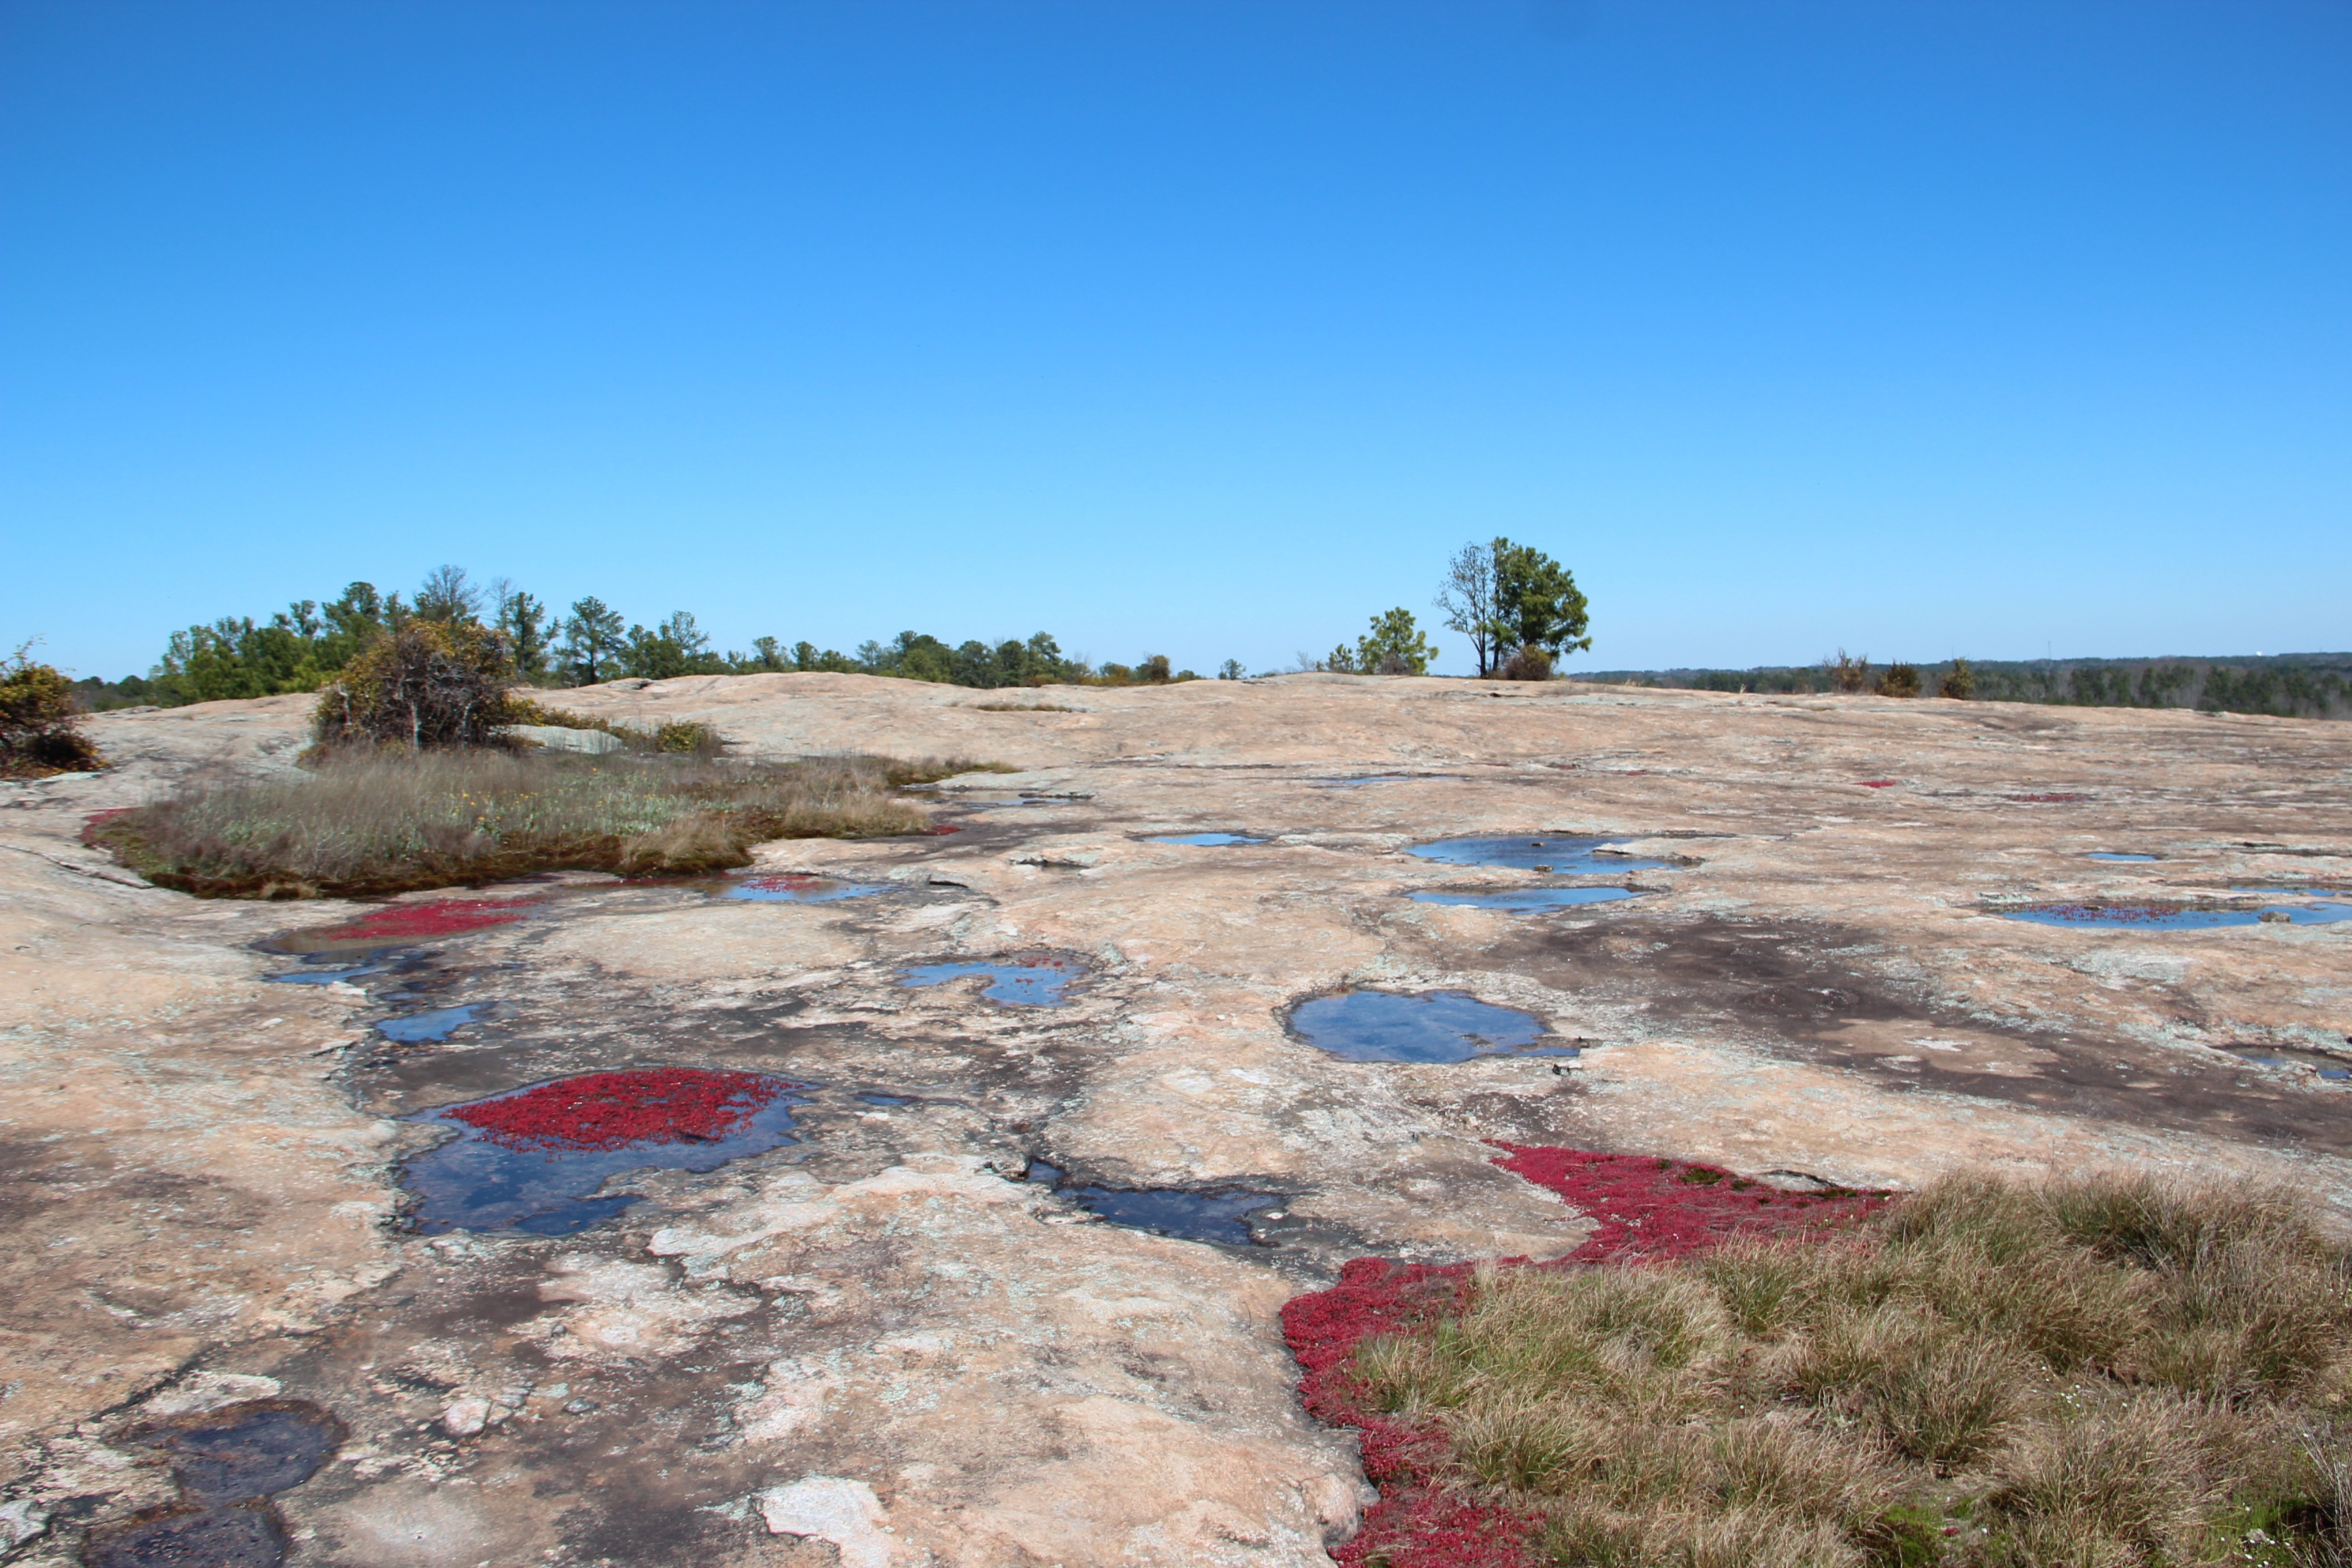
(2287, 685)
(302, 646)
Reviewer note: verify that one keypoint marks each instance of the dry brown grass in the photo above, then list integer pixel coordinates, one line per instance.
(2098, 1372)
(386, 821)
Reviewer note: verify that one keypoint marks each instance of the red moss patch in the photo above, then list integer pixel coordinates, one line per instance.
(95, 824)
(1647, 1208)
(1879, 784)
(436, 916)
(615, 1109)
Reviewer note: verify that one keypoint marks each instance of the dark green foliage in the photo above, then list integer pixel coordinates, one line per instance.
(1394, 646)
(916, 655)
(1901, 679)
(1229, 671)
(1530, 663)
(2286, 685)
(38, 729)
(1537, 602)
(676, 647)
(523, 621)
(592, 640)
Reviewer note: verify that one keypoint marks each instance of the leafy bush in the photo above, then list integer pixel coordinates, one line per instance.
(1901, 679)
(39, 721)
(2113, 1370)
(1960, 682)
(1530, 663)
(431, 683)
(384, 820)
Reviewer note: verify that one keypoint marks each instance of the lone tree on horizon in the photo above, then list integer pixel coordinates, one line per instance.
(1509, 598)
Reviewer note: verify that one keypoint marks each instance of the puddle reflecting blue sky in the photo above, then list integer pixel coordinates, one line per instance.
(1430, 1027)
(1548, 854)
(474, 1182)
(1207, 838)
(799, 890)
(1525, 898)
(1031, 983)
(438, 1024)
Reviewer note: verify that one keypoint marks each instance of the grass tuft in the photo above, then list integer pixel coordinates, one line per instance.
(2096, 1371)
(392, 820)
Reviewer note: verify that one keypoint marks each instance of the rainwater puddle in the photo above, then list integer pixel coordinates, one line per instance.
(211, 1538)
(1562, 854)
(227, 1462)
(798, 890)
(1357, 781)
(438, 1025)
(871, 1098)
(2121, 859)
(532, 1159)
(1524, 899)
(326, 975)
(2171, 917)
(250, 1451)
(1221, 1216)
(2335, 1069)
(1430, 1027)
(1031, 983)
(1207, 840)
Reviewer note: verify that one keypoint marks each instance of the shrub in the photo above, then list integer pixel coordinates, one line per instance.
(1960, 682)
(1846, 674)
(379, 820)
(1530, 663)
(40, 731)
(431, 683)
(1901, 679)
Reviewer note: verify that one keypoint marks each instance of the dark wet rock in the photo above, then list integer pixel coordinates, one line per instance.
(249, 1537)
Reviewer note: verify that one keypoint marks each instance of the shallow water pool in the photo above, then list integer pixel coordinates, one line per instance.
(1423, 1026)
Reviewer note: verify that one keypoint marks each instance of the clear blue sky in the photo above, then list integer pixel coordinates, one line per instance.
(1199, 328)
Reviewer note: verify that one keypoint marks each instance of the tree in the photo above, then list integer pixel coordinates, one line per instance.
(1537, 602)
(676, 647)
(1960, 681)
(448, 594)
(592, 639)
(1468, 598)
(1394, 646)
(522, 620)
(1229, 671)
(431, 683)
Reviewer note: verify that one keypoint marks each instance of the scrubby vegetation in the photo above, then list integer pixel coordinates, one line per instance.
(2109, 1372)
(2307, 686)
(1393, 646)
(379, 820)
(38, 729)
(306, 645)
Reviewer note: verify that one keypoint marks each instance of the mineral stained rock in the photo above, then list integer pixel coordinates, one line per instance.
(889, 1343)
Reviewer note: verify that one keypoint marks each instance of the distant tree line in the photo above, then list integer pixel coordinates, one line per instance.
(307, 644)
(2285, 686)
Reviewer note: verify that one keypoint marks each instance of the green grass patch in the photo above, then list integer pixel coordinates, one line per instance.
(388, 821)
(2098, 1373)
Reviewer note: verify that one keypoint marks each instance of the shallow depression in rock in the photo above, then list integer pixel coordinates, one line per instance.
(1027, 983)
(1219, 1215)
(1207, 840)
(435, 1025)
(803, 889)
(1548, 854)
(250, 1451)
(2175, 917)
(208, 1538)
(532, 1159)
(1427, 1027)
(1528, 899)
